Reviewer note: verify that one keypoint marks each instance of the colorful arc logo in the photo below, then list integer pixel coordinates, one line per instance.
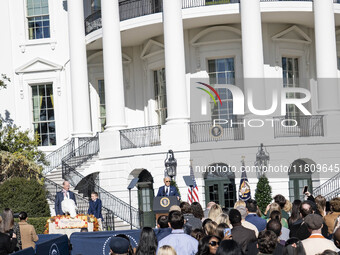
(209, 93)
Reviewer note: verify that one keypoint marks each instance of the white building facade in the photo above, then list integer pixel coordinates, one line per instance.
(128, 70)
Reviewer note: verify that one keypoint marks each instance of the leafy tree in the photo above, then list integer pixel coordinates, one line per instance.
(263, 193)
(21, 194)
(17, 165)
(15, 141)
(3, 81)
(173, 183)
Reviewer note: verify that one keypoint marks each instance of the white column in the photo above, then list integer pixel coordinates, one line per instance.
(78, 66)
(326, 56)
(252, 53)
(113, 66)
(175, 62)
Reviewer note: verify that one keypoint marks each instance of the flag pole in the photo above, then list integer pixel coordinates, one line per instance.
(192, 198)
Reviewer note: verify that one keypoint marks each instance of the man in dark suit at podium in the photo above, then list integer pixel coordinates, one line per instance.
(167, 190)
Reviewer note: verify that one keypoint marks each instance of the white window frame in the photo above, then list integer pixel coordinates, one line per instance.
(32, 83)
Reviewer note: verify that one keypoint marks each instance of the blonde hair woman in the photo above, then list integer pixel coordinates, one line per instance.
(288, 207)
(223, 218)
(239, 203)
(166, 250)
(214, 212)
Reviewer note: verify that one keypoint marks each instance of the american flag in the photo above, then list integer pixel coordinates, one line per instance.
(193, 197)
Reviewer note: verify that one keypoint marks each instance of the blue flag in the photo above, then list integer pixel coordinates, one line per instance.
(244, 190)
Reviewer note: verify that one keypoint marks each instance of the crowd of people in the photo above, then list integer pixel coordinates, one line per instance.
(302, 227)
(15, 236)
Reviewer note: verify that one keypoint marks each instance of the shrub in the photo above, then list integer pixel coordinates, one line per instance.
(263, 193)
(20, 194)
(39, 223)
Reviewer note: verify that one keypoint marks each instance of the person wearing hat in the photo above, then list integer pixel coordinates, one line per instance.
(119, 246)
(316, 243)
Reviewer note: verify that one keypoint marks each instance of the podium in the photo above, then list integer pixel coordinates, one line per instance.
(161, 205)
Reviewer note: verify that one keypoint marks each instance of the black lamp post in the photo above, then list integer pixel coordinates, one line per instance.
(170, 164)
(262, 160)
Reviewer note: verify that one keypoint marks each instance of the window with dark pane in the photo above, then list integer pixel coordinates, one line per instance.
(290, 73)
(102, 109)
(43, 114)
(160, 95)
(38, 19)
(222, 71)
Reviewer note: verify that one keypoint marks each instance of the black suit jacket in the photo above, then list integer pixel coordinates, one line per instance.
(243, 236)
(300, 230)
(7, 245)
(59, 197)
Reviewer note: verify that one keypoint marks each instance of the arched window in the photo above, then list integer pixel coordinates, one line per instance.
(299, 177)
(145, 198)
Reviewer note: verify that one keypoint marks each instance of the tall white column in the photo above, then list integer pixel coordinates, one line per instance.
(326, 56)
(113, 66)
(252, 52)
(78, 66)
(175, 62)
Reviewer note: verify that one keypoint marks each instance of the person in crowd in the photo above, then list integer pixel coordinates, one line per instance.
(276, 207)
(328, 252)
(206, 211)
(267, 242)
(281, 200)
(27, 232)
(333, 215)
(276, 215)
(131, 250)
(197, 210)
(252, 217)
(288, 207)
(166, 250)
(295, 215)
(205, 221)
(240, 234)
(299, 228)
(210, 228)
(294, 246)
(174, 208)
(167, 190)
(275, 226)
(336, 238)
(220, 230)
(7, 243)
(181, 242)
(163, 229)
(229, 247)
(321, 205)
(208, 245)
(10, 227)
(119, 245)
(84, 230)
(223, 218)
(245, 223)
(214, 212)
(198, 234)
(316, 243)
(147, 242)
(239, 203)
(59, 197)
(95, 206)
(191, 222)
